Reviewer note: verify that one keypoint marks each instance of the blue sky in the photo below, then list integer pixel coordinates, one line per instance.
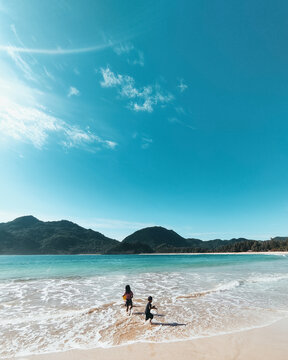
(119, 115)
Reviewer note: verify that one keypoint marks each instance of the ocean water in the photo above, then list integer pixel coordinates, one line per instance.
(55, 303)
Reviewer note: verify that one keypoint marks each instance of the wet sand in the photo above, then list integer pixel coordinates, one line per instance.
(264, 343)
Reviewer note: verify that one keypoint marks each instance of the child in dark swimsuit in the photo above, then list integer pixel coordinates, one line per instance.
(149, 306)
(128, 295)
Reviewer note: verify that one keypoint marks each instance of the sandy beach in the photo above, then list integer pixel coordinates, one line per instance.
(208, 307)
(261, 343)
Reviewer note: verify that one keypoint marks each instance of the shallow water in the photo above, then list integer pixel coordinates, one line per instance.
(55, 303)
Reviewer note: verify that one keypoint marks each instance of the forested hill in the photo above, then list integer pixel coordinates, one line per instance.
(160, 240)
(28, 235)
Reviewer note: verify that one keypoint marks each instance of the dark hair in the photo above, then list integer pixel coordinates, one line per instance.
(149, 298)
(127, 289)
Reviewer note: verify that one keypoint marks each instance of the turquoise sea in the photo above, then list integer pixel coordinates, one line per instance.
(53, 303)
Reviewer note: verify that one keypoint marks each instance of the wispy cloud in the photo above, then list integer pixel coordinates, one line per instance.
(133, 56)
(73, 91)
(110, 79)
(22, 65)
(34, 125)
(138, 59)
(180, 110)
(182, 86)
(57, 51)
(24, 61)
(76, 137)
(175, 120)
(25, 119)
(26, 123)
(146, 142)
(123, 48)
(13, 29)
(144, 99)
(48, 73)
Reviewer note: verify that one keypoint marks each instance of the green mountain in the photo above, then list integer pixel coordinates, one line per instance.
(28, 235)
(156, 237)
(149, 240)
(161, 240)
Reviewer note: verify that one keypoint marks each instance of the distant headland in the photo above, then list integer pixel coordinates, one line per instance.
(28, 235)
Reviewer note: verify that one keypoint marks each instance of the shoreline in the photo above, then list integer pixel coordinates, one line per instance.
(223, 253)
(269, 341)
(195, 253)
(63, 330)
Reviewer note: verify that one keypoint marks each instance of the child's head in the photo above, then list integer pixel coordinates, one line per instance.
(150, 299)
(127, 289)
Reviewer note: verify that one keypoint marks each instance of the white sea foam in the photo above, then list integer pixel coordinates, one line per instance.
(267, 278)
(56, 314)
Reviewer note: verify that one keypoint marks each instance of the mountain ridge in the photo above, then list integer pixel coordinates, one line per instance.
(29, 235)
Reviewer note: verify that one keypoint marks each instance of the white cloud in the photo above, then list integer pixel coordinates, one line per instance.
(138, 59)
(24, 119)
(22, 65)
(23, 62)
(180, 110)
(182, 86)
(146, 106)
(175, 120)
(25, 115)
(48, 74)
(150, 101)
(146, 142)
(57, 51)
(123, 48)
(13, 29)
(110, 79)
(76, 137)
(144, 99)
(73, 91)
(133, 56)
(26, 123)
(110, 144)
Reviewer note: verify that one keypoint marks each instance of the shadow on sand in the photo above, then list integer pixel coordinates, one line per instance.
(168, 324)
